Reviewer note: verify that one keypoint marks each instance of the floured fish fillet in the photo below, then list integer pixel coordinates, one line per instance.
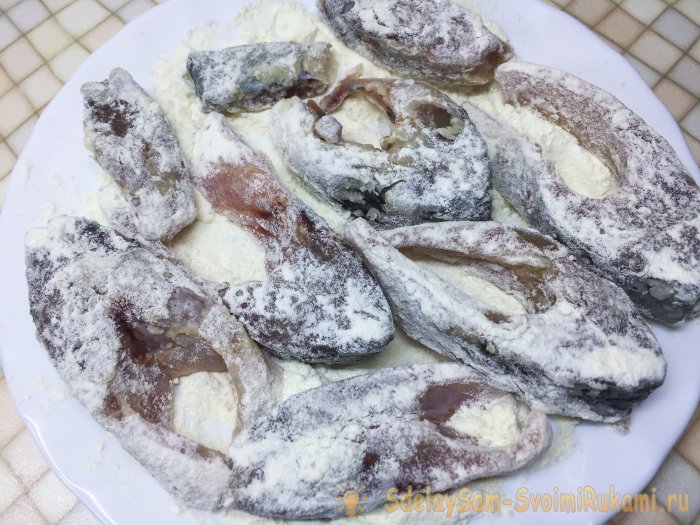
(121, 324)
(432, 167)
(581, 349)
(433, 40)
(133, 142)
(253, 77)
(319, 303)
(391, 428)
(646, 234)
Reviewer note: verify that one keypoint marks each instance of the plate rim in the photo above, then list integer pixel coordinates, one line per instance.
(142, 22)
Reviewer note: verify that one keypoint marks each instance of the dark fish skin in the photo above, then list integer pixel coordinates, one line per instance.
(433, 166)
(121, 325)
(646, 234)
(381, 430)
(430, 40)
(319, 303)
(581, 349)
(133, 142)
(253, 77)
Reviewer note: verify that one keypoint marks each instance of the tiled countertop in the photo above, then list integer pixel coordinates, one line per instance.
(43, 41)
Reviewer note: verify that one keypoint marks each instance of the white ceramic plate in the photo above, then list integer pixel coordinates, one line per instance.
(55, 167)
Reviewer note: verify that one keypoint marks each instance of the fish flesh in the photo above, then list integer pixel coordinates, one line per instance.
(133, 142)
(436, 41)
(253, 77)
(580, 349)
(319, 303)
(646, 234)
(121, 325)
(388, 429)
(433, 166)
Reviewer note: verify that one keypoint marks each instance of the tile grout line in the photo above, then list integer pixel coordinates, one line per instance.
(14, 476)
(18, 85)
(27, 488)
(13, 436)
(21, 34)
(663, 76)
(695, 467)
(45, 62)
(682, 126)
(688, 463)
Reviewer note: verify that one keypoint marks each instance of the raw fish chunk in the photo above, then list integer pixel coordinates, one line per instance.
(319, 303)
(581, 349)
(391, 428)
(134, 143)
(432, 40)
(121, 325)
(253, 77)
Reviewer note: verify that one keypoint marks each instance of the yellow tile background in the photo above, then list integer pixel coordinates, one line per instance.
(43, 41)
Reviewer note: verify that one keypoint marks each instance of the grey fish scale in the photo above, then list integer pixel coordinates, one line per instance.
(133, 142)
(431, 40)
(432, 167)
(379, 430)
(646, 234)
(581, 349)
(120, 324)
(253, 77)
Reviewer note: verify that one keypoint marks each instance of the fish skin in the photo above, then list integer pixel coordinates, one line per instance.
(134, 143)
(646, 234)
(319, 303)
(432, 167)
(581, 349)
(381, 430)
(121, 324)
(234, 79)
(434, 41)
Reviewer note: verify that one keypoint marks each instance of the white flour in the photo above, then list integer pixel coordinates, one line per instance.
(494, 424)
(581, 170)
(219, 250)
